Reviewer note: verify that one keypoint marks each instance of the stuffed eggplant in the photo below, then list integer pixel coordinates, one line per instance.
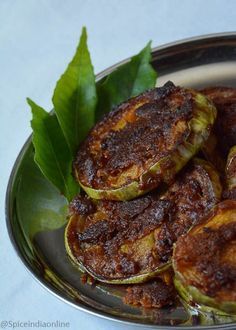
(131, 241)
(143, 142)
(204, 260)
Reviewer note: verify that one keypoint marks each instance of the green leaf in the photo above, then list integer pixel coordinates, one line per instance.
(39, 207)
(52, 153)
(75, 96)
(127, 81)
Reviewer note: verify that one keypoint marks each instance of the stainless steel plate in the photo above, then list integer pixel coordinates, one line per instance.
(36, 213)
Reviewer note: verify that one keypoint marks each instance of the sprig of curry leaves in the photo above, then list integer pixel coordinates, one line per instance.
(78, 100)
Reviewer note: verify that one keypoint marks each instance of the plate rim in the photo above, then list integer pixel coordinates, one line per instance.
(44, 283)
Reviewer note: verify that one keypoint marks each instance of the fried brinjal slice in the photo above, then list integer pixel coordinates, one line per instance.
(131, 241)
(204, 260)
(224, 130)
(157, 293)
(211, 152)
(143, 142)
(230, 173)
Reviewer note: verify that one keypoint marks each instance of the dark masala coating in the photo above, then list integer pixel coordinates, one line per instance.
(224, 98)
(143, 142)
(129, 242)
(157, 293)
(205, 259)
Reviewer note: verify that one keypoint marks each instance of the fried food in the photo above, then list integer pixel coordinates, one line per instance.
(157, 293)
(204, 260)
(132, 241)
(143, 142)
(230, 173)
(224, 98)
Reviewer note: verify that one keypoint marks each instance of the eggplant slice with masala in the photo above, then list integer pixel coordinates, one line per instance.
(131, 241)
(204, 260)
(143, 142)
(223, 136)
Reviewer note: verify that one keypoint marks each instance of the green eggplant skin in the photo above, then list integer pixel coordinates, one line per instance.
(214, 238)
(212, 153)
(124, 242)
(231, 168)
(183, 141)
(230, 175)
(192, 296)
(140, 278)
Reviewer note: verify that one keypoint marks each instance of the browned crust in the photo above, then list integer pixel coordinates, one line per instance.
(154, 294)
(229, 194)
(220, 94)
(224, 99)
(102, 227)
(153, 123)
(202, 258)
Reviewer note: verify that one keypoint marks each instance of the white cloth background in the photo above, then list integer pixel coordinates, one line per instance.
(37, 40)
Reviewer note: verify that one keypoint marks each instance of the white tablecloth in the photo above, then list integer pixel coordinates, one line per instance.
(37, 39)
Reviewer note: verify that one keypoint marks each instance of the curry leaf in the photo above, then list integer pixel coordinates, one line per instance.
(57, 136)
(127, 81)
(75, 96)
(52, 153)
(37, 199)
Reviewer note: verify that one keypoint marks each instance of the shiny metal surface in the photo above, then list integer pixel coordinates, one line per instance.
(31, 201)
